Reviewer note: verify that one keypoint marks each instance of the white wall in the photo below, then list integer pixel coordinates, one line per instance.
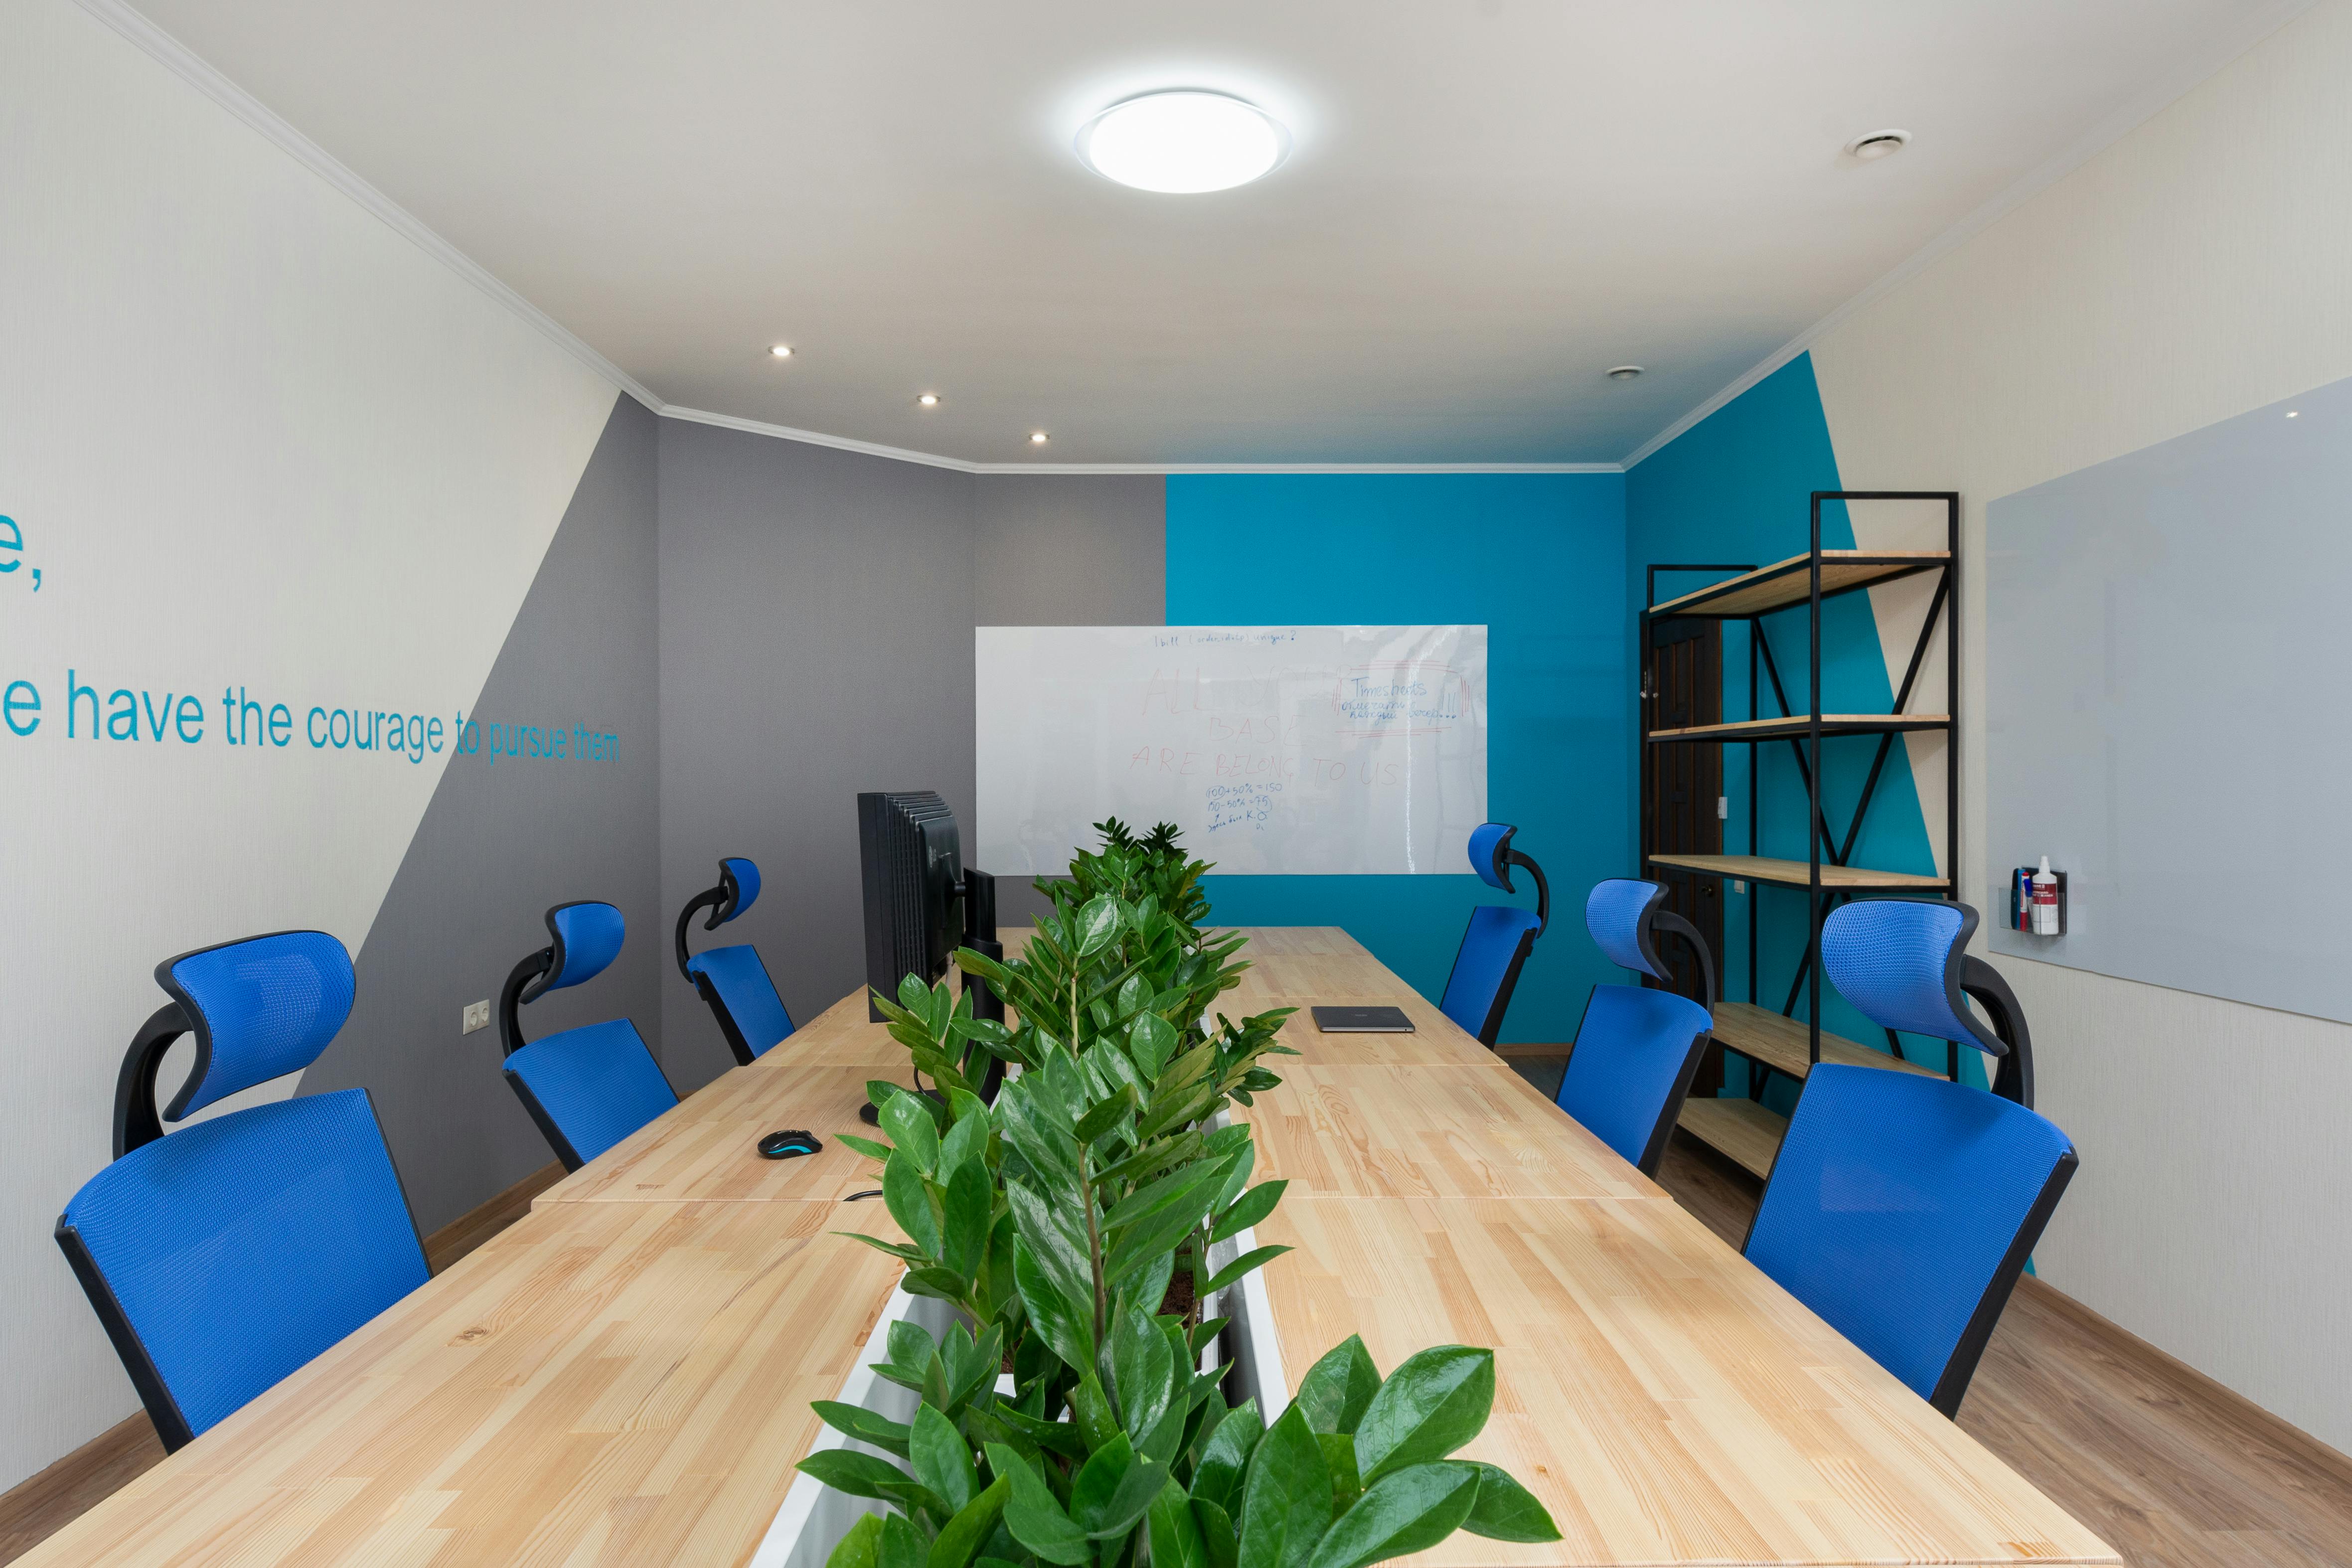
(251, 435)
(2199, 268)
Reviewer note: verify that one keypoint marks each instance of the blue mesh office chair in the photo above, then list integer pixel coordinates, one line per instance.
(1499, 939)
(587, 1087)
(226, 1255)
(1636, 1048)
(1903, 1207)
(731, 980)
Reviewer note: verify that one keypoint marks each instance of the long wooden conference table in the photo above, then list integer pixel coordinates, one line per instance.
(624, 1375)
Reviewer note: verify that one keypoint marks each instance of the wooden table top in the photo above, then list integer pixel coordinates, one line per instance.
(1381, 1131)
(1666, 1400)
(624, 1376)
(599, 1384)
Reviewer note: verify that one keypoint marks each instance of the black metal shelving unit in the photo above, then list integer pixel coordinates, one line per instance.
(1746, 1130)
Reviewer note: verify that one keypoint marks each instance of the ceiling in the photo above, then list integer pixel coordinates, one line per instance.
(1488, 202)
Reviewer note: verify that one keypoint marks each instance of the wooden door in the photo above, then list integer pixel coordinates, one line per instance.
(1682, 685)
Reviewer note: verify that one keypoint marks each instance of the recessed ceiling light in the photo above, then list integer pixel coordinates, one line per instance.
(2295, 413)
(1878, 145)
(1624, 372)
(781, 350)
(1036, 437)
(929, 400)
(1183, 143)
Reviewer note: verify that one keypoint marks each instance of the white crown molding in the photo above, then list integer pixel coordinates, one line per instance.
(2136, 111)
(813, 438)
(184, 63)
(933, 460)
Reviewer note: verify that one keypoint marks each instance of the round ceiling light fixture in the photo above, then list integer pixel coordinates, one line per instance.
(1036, 437)
(1624, 372)
(929, 400)
(1878, 145)
(1183, 143)
(781, 350)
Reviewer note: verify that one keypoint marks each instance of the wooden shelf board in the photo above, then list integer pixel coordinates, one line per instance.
(1796, 727)
(1740, 1129)
(1786, 1045)
(1796, 873)
(1786, 582)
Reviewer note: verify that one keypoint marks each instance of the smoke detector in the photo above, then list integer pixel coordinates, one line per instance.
(1877, 145)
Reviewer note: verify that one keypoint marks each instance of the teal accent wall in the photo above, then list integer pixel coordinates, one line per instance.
(1736, 487)
(1540, 560)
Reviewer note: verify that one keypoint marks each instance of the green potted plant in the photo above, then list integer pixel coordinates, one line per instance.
(1065, 1416)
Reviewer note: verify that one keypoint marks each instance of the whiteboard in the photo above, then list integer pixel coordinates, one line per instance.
(1278, 750)
(2166, 660)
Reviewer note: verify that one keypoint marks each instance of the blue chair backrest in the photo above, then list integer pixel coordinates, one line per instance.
(1496, 943)
(1904, 964)
(732, 981)
(1632, 1067)
(1902, 1208)
(743, 999)
(588, 1087)
(1486, 968)
(225, 1256)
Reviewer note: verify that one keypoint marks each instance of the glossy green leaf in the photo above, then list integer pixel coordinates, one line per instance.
(1105, 1117)
(1175, 1534)
(859, 1475)
(1218, 1538)
(1032, 1515)
(865, 1146)
(970, 1529)
(1256, 1258)
(912, 1131)
(1098, 924)
(1111, 1492)
(1337, 1390)
(964, 1218)
(1251, 1208)
(910, 1203)
(1057, 1241)
(1225, 1458)
(901, 1545)
(1066, 1325)
(967, 1140)
(866, 1425)
(1408, 1510)
(1286, 1496)
(1151, 1040)
(1506, 1510)
(1432, 1405)
(858, 1549)
(940, 1459)
(1340, 1455)
(1143, 1372)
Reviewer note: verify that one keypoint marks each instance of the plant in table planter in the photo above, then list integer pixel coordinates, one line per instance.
(1051, 1221)
(1054, 1221)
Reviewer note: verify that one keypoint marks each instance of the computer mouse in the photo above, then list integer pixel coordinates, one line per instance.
(790, 1143)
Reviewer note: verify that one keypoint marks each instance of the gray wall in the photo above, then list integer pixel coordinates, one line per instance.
(501, 843)
(817, 615)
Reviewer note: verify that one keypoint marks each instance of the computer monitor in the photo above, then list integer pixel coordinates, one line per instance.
(921, 902)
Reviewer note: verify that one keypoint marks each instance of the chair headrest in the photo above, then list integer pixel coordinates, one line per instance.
(588, 937)
(738, 886)
(259, 1008)
(1901, 961)
(1490, 851)
(1618, 913)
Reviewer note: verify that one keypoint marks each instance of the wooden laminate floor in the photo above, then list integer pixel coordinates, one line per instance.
(2172, 1470)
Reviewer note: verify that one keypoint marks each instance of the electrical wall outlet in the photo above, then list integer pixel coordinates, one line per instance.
(1722, 807)
(1738, 887)
(477, 1016)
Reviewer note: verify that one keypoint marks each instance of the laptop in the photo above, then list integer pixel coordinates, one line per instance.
(1362, 1020)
